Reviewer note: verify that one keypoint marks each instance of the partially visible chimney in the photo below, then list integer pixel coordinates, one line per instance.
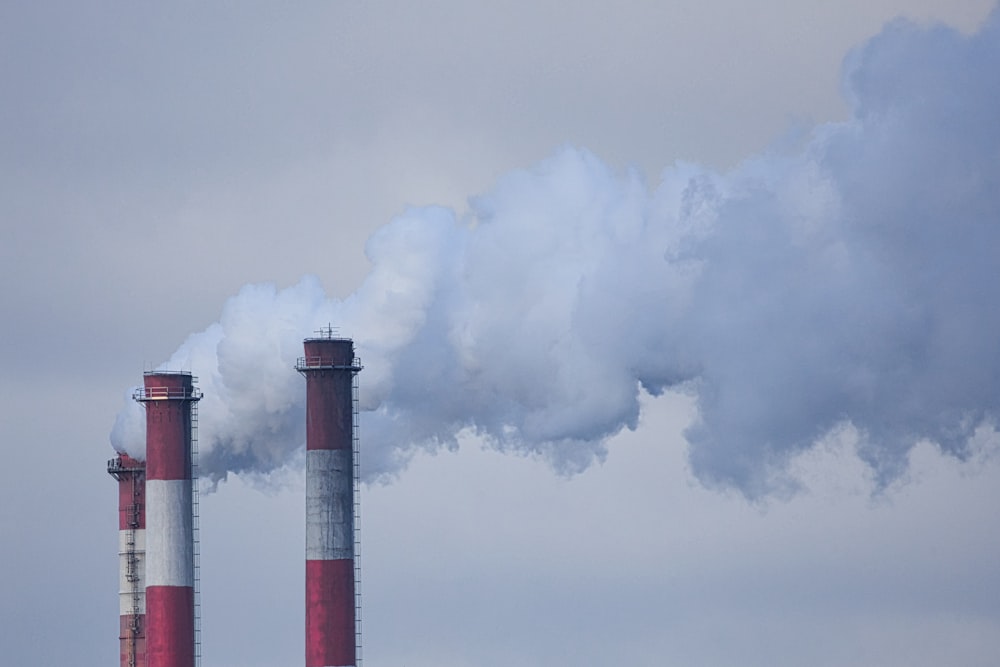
(131, 476)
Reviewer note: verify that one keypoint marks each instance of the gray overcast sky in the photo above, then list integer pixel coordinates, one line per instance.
(154, 160)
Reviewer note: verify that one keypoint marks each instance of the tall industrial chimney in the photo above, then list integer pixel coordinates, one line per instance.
(169, 398)
(330, 367)
(131, 476)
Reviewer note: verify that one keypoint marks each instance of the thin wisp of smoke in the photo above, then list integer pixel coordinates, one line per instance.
(848, 284)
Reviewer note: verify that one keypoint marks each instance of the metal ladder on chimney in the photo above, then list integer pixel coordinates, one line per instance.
(132, 568)
(195, 532)
(356, 445)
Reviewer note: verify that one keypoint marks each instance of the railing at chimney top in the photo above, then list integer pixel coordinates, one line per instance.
(167, 393)
(325, 363)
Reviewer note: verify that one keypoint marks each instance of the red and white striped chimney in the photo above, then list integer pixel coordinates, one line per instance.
(131, 476)
(170, 632)
(329, 367)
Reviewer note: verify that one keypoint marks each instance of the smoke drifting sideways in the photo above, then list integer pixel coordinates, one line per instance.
(849, 284)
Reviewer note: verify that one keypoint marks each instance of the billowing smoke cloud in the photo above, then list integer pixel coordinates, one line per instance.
(852, 283)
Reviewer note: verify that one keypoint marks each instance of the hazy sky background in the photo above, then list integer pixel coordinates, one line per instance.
(153, 161)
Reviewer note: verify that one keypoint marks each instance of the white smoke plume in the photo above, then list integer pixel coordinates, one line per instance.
(852, 283)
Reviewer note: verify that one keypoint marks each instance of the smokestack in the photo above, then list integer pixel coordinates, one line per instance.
(131, 476)
(169, 398)
(330, 368)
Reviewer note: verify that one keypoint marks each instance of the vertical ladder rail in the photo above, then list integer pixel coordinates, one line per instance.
(132, 570)
(356, 444)
(196, 533)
